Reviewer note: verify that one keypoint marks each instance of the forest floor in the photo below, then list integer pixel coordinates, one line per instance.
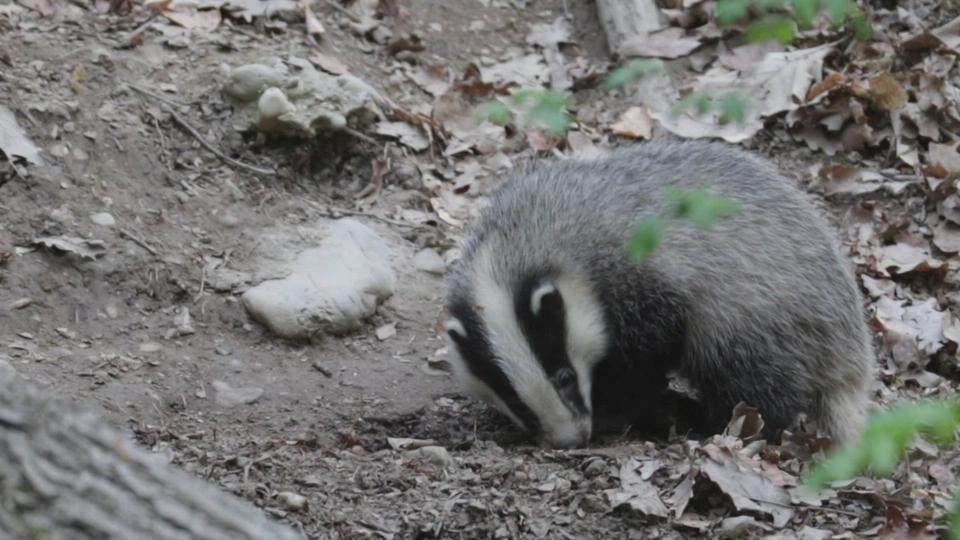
(326, 435)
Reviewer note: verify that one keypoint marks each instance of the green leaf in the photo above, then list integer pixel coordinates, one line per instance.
(885, 439)
(767, 5)
(861, 27)
(733, 108)
(700, 206)
(837, 10)
(768, 27)
(701, 102)
(805, 11)
(955, 517)
(731, 11)
(646, 238)
(494, 111)
(635, 69)
(555, 119)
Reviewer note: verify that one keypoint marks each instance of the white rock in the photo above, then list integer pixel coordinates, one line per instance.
(292, 501)
(430, 261)
(331, 288)
(150, 347)
(104, 219)
(228, 396)
(183, 322)
(437, 455)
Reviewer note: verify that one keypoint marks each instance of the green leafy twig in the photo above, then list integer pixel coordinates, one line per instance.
(698, 206)
(772, 23)
(731, 106)
(885, 439)
(538, 106)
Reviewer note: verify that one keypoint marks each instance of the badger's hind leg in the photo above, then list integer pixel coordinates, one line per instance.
(841, 413)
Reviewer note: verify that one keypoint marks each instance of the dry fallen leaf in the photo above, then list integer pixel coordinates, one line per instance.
(408, 135)
(188, 16)
(946, 236)
(77, 78)
(878, 287)
(747, 488)
(14, 141)
(921, 321)
(780, 82)
(314, 26)
(636, 493)
(328, 64)
(844, 179)
(949, 33)
(432, 78)
(635, 123)
(887, 92)
(527, 70)
(900, 259)
(745, 423)
(946, 157)
(86, 248)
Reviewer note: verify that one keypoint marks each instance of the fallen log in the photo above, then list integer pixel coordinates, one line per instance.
(625, 20)
(66, 475)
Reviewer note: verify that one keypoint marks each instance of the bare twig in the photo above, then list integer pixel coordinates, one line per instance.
(333, 212)
(137, 240)
(223, 157)
(203, 283)
(155, 95)
(362, 136)
(203, 142)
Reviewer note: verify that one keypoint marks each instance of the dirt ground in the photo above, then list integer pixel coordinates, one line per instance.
(104, 333)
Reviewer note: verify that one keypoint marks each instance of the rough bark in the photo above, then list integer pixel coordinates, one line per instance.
(65, 474)
(624, 20)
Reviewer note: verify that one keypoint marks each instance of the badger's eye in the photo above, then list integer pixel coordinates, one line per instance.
(566, 378)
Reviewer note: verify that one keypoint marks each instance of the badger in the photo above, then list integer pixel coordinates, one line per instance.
(551, 322)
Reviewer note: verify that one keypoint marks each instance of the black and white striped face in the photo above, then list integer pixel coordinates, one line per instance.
(531, 352)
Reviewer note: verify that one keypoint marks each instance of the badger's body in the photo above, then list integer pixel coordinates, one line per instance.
(554, 324)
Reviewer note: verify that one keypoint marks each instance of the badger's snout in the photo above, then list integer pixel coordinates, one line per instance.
(575, 434)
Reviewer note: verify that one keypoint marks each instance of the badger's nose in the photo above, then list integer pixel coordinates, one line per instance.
(574, 435)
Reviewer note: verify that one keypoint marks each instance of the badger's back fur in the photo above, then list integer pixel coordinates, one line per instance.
(760, 308)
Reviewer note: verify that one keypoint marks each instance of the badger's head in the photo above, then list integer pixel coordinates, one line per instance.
(530, 347)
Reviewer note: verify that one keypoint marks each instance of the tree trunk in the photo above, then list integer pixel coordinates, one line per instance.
(65, 474)
(625, 20)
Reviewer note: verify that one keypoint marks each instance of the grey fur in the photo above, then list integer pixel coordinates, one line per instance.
(769, 310)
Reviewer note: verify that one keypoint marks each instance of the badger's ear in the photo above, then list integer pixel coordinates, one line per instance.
(454, 328)
(546, 300)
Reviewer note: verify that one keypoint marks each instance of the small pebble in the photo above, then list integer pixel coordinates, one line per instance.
(150, 347)
(228, 396)
(184, 322)
(292, 501)
(104, 219)
(21, 303)
(228, 220)
(66, 332)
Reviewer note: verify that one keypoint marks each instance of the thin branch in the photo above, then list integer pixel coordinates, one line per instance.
(155, 96)
(203, 142)
(138, 241)
(333, 212)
